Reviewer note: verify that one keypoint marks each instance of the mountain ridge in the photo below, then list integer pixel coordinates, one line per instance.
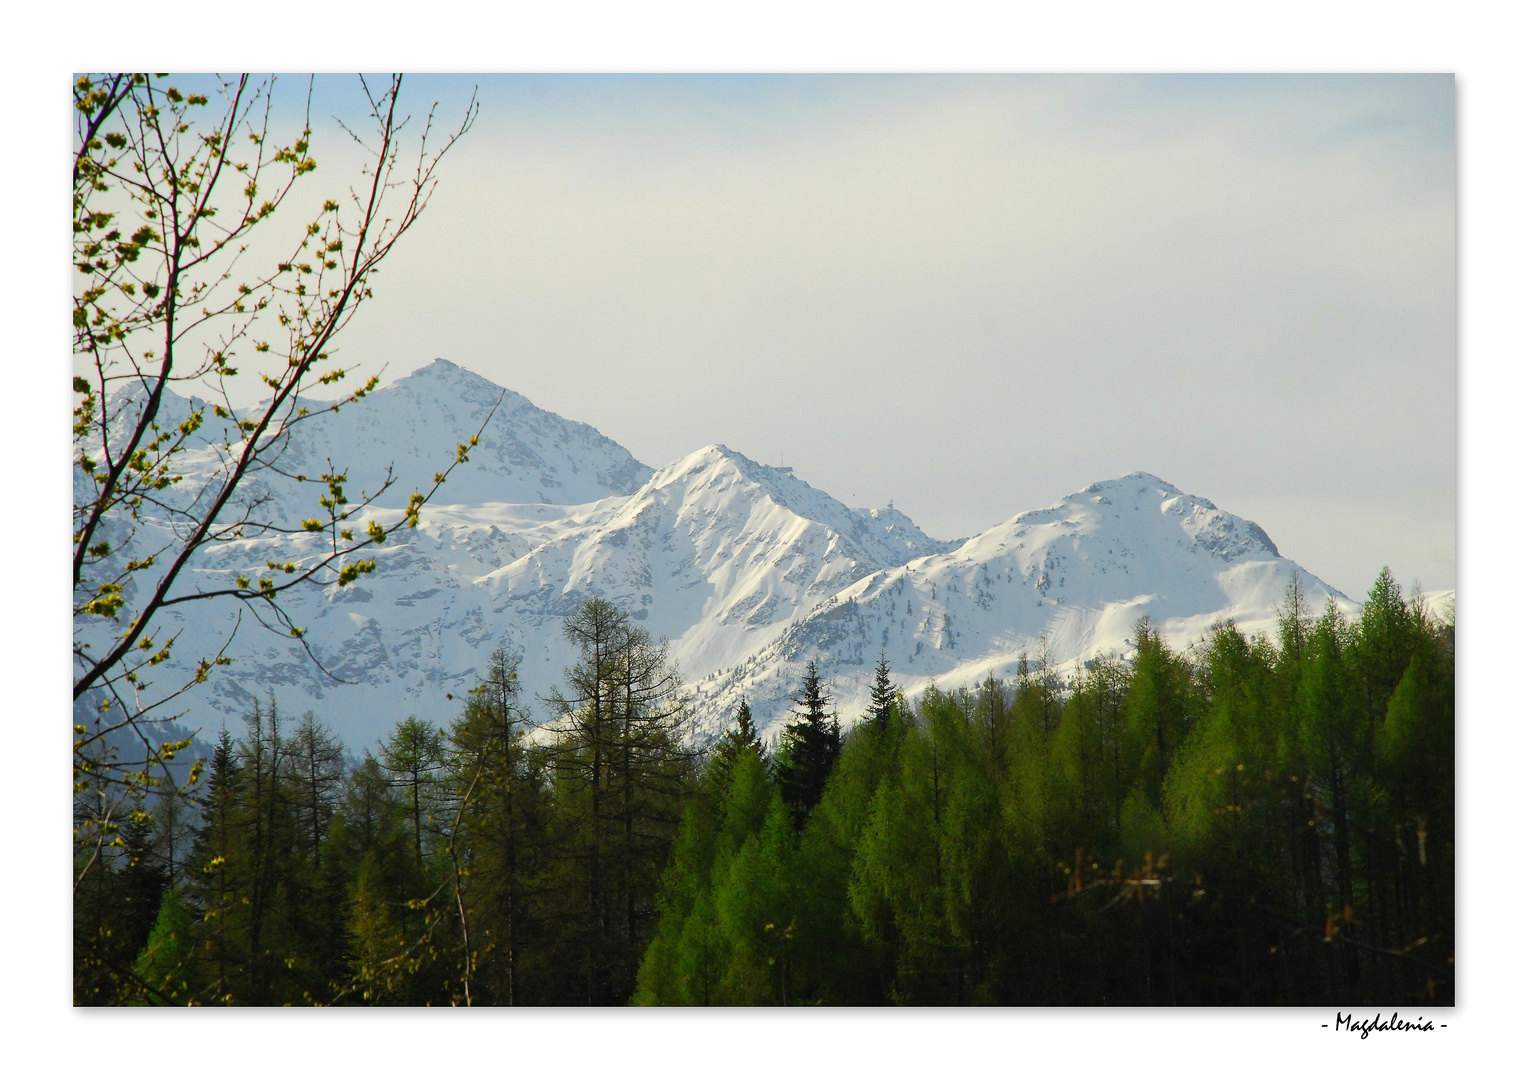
(1059, 580)
(748, 570)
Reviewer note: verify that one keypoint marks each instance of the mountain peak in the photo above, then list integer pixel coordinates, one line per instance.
(1071, 579)
(440, 367)
(719, 459)
(414, 423)
(443, 373)
(1136, 480)
(1202, 521)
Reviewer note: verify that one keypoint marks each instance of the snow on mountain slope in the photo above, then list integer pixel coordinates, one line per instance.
(749, 571)
(716, 552)
(527, 455)
(413, 426)
(1073, 577)
(388, 634)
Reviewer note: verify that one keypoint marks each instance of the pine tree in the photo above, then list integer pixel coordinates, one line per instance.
(216, 882)
(743, 737)
(883, 695)
(808, 747)
(142, 880)
(114, 910)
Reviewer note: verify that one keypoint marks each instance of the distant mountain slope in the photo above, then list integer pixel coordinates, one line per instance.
(716, 552)
(1072, 579)
(529, 465)
(413, 425)
(749, 572)
(527, 455)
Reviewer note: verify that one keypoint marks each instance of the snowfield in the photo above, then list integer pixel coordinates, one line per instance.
(748, 571)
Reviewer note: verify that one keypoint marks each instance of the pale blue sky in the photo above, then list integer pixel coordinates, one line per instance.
(972, 295)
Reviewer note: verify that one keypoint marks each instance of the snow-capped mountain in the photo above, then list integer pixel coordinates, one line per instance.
(411, 428)
(748, 571)
(491, 510)
(413, 425)
(715, 552)
(1070, 581)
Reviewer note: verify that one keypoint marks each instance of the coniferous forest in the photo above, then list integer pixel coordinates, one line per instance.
(1250, 822)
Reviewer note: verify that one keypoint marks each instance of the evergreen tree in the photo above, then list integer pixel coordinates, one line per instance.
(743, 738)
(165, 965)
(142, 879)
(371, 867)
(115, 906)
(1270, 842)
(808, 748)
(883, 696)
(216, 885)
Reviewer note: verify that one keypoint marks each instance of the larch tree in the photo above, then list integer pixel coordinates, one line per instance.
(623, 768)
(497, 782)
(316, 770)
(414, 757)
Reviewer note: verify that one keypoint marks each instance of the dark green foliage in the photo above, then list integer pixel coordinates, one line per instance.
(620, 773)
(414, 759)
(734, 743)
(115, 907)
(883, 696)
(1255, 822)
(502, 837)
(808, 748)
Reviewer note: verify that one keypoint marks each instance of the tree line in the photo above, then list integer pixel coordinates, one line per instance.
(470, 864)
(1252, 821)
